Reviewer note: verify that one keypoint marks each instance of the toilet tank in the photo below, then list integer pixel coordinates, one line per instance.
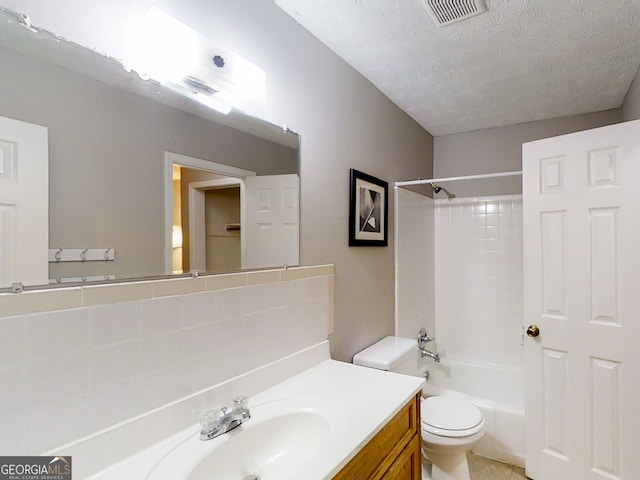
(395, 354)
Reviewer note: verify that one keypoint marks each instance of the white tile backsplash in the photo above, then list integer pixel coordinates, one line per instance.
(160, 387)
(113, 403)
(229, 333)
(83, 369)
(199, 373)
(56, 377)
(257, 325)
(257, 298)
(298, 291)
(230, 303)
(17, 443)
(12, 341)
(115, 323)
(160, 351)
(198, 309)
(53, 333)
(161, 314)
(115, 362)
(478, 246)
(198, 342)
(14, 390)
(278, 295)
(46, 428)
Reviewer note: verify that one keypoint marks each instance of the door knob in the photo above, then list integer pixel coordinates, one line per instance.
(533, 331)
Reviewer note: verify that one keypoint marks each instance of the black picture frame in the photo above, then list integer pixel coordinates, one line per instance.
(368, 210)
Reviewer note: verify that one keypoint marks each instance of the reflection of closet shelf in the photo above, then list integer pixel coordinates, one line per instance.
(233, 227)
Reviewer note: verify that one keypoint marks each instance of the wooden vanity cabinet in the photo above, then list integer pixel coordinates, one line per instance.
(394, 453)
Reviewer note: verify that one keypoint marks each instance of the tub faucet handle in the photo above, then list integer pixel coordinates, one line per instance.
(423, 338)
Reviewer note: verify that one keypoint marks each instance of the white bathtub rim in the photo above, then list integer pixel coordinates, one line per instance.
(430, 390)
(502, 384)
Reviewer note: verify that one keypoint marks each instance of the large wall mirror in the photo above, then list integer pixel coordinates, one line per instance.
(167, 184)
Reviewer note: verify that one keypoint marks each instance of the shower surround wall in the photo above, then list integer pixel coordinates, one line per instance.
(478, 252)
(474, 246)
(414, 265)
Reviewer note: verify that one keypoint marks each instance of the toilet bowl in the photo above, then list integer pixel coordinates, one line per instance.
(450, 428)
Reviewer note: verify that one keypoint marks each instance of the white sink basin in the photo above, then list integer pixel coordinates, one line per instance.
(278, 442)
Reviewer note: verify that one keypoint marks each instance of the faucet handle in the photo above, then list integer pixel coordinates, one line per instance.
(240, 402)
(423, 338)
(210, 419)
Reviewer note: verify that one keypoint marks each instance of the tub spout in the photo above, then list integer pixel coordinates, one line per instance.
(428, 353)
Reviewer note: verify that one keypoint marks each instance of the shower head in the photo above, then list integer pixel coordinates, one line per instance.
(436, 189)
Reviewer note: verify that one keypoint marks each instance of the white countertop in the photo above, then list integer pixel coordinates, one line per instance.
(367, 399)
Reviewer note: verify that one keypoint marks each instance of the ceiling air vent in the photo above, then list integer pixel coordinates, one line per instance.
(445, 12)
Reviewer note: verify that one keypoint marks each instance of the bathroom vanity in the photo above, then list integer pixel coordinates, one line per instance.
(394, 453)
(311, 417)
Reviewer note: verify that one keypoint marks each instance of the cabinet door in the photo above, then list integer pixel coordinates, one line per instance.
(377, 455)
(408, 465)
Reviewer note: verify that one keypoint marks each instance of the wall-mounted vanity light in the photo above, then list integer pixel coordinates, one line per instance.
(170, 52)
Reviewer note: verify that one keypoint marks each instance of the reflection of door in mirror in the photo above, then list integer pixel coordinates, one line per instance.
(204, 200)
(24, 203)
(270, 221)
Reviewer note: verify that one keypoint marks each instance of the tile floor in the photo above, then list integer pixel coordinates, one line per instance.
(485, 469)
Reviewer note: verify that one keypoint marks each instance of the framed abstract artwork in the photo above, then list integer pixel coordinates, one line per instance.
(368, 210)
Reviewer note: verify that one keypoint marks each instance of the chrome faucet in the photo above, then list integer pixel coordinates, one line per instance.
(428, 353)
(423, 339)
(218, 422)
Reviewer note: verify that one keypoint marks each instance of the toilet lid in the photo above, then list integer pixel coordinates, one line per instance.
(449, 416)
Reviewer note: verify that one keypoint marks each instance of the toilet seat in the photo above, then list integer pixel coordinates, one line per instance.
(450, 417)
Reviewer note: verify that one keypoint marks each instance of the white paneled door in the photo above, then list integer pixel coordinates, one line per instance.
(582, 292)
(270, 214)
(24, 203)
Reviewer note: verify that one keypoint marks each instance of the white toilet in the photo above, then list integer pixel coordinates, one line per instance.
(450, 426)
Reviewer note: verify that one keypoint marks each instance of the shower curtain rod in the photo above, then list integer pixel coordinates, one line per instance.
(453, 179)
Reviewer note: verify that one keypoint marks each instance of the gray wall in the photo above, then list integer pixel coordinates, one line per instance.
(500, 150)
(631, 104)
(344, 122)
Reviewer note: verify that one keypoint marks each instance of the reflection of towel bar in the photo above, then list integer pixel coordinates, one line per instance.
(92, 278)
(57, 255)
(233, 226)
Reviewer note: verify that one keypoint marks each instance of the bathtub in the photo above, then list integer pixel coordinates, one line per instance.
(498, 391)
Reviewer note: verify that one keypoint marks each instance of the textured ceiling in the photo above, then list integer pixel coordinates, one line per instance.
(523, 60)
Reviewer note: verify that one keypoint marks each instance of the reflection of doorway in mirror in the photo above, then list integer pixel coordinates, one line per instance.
(222, 229)
(210, 202)
(176, 231)
(197, 176)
